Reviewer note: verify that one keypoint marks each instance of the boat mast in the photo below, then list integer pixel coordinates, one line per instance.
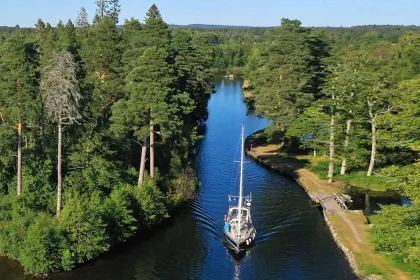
(240, 185)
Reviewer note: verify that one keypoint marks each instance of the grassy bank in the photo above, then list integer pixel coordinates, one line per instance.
(350, 229)
(319, 165)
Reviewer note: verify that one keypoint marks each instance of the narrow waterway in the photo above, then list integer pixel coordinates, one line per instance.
(293, 241)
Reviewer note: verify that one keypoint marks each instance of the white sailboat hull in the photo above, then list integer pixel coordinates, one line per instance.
(246, 240)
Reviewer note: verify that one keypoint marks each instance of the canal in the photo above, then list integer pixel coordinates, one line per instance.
(293, 241)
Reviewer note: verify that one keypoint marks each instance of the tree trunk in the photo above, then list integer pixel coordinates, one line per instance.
(42, 128)
(59, 186)
(152, 149)
(142, 163)
(373, 150)
(346, 144)
(19, 162)
(332, 150)
(367, 204)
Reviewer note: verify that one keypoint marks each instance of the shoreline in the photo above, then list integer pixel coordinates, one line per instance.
(348, 228)
(347, 253)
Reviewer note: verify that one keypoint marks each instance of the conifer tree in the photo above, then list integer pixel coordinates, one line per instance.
(283, 81)
(101, 55)
(61, 101)
(114, 10)
(19, 88)
(82, 20)
(101, 8)
(149, 87)
(107, 8)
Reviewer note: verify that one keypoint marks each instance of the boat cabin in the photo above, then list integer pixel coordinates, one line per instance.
(233, 215)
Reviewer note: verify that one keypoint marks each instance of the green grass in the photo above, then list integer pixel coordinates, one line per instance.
(414, 270)
(368, 269)
(372, 219)
(358, 179)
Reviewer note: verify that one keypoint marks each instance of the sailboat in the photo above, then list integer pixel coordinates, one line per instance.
(238, 229)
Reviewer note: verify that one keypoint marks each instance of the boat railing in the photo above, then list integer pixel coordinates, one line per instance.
(246, 201)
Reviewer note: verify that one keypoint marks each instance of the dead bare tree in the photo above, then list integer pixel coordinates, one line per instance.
(61, 101)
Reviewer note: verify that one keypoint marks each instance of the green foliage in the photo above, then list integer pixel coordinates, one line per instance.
(120, 214)
(82, 222)
(184, 185)
(374, 183)
(37, 182)
(43, 247)
(321, 168)
(285, 78)
(16, 219)
(396, 233)
(152, 203)
(406, 179)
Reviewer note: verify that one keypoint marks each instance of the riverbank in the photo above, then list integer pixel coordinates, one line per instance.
(349, 228)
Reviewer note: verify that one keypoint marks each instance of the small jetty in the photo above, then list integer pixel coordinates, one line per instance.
(331, 202)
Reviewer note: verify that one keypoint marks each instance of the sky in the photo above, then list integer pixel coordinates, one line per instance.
(25, 13)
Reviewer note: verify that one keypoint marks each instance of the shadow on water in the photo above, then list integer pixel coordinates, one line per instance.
(370, 201)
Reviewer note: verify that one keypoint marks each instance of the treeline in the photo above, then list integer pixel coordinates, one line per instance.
(98, 128)
(234, 44)
(357, 104)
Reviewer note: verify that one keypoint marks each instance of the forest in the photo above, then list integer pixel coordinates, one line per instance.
(95, 147)
(353, 102)
(99, 122)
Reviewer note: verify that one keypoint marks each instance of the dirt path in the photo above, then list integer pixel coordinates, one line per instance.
(346, 219)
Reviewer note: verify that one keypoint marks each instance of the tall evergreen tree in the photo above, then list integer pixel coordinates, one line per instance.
(114, 10)
(107, 8)
(101, 55)
(101, 8)
(19, 93)
(283, 80)
(82, 20)
(150, 86)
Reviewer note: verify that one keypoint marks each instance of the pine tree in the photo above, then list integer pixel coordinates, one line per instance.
(82, 20)
(101, 55)
(130, 44)
(107, 8)
(61, 101)
(283, 80)
(67, 38)
(149, 87)
(114, 10)
(19, 94)
(155, 31)
(148, 96)
(101, 8)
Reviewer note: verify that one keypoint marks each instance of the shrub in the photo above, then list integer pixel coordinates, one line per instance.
(119, 215)
(184, 187)
(42, 249)
(83, 226)
(152, 203)
(396, 232)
